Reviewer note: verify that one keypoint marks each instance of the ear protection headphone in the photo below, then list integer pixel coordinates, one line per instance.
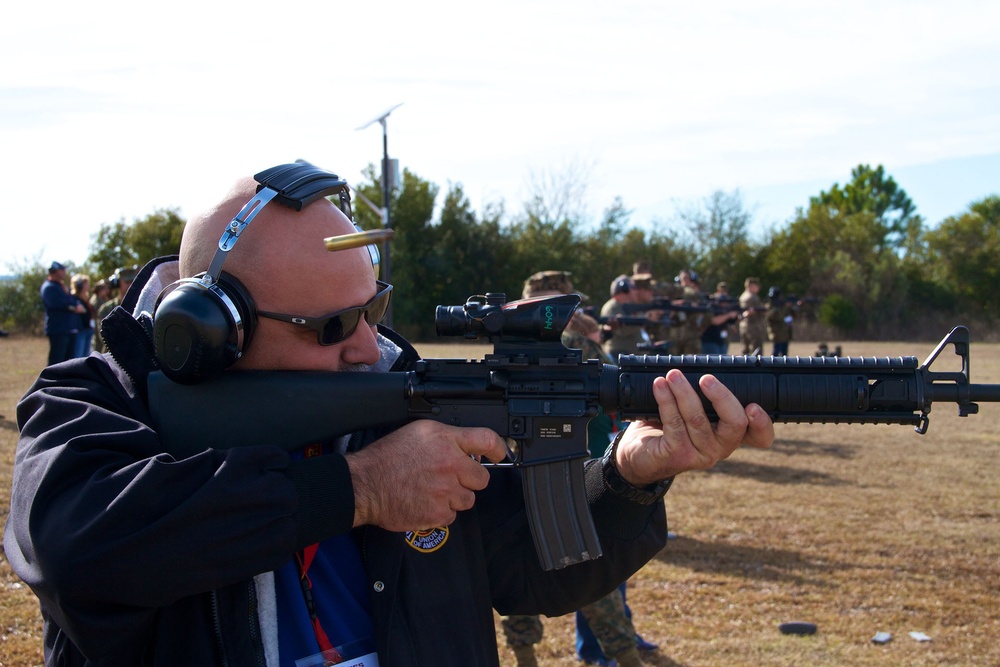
(204, 324)
(115, 279)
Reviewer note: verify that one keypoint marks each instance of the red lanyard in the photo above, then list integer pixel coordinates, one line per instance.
(304, 559)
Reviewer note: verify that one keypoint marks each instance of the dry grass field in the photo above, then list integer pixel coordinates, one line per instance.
(859, 529)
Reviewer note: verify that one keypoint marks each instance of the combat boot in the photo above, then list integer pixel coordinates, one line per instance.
(525, 655)
(628, 658)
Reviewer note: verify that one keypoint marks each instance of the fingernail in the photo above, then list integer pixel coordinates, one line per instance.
(709, 381)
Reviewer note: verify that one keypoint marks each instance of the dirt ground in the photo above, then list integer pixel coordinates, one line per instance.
(857, 528)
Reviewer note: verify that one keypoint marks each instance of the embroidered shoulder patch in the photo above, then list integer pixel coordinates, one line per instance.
(427, 541)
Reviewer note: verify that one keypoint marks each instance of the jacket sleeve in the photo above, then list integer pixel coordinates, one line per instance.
(56, 298)
(630, 534)
(105, 528)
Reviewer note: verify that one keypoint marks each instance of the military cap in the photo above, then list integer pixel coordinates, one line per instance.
(643, 280)
(642, 266)
(548, 283)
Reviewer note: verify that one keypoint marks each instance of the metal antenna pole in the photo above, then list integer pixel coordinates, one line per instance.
(386, 269)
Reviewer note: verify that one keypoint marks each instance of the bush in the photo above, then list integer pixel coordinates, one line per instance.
(839, 312)
(21, 303)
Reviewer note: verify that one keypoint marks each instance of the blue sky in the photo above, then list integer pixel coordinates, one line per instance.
(109, 110)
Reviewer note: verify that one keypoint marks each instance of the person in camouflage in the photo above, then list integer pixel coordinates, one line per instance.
(522, 633)
(625, 338)
(584, 333)
(607, 616)
(121, 281)
(715, 339)
(687, 337)
(753, 328)
(780, 314)
(658, 330)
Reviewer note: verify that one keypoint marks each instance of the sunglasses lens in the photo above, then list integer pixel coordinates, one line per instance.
(376, 311)
(333, 330)
(340, 327)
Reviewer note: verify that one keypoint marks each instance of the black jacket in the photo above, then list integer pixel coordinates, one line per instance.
(142, 559)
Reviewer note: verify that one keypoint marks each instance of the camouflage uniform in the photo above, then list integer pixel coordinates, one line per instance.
(121, 274)
(753, 328)
(547, 283)
(686, 327)
(606, 616)
(625, 338)
(779, 329)
(656, 332)
(779, 323)
(613, 628)
(601, 428)
(522, 632)
(693, 325)
(577, 334)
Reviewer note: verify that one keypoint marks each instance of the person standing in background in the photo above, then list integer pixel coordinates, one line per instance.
(687, 335)
(121, 281)
(80, 288)
(101, 294)
(715, 339)
(753, 328)
(625, 338)
(613, 630)
(62, 315)
(780, 314)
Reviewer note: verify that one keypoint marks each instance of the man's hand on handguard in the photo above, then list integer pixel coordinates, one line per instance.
(685, 439)
(421, 475)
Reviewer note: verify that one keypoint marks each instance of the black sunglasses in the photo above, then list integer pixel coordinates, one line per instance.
(339, 326)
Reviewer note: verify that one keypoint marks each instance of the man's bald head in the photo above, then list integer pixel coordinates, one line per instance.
(275, 249)
(202, 233)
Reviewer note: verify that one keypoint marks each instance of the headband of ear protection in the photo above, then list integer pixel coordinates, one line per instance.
(204, 324)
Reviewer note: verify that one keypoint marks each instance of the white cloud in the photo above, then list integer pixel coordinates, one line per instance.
(111, 109)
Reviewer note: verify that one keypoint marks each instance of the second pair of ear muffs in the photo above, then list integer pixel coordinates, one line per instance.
(621, 285)
(204, 324)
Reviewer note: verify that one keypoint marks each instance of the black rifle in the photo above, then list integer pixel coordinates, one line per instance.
(666, 305)
(625, 320)
(540, 395)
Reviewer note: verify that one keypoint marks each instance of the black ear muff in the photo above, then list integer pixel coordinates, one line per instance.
(202, 325)
(199, 329)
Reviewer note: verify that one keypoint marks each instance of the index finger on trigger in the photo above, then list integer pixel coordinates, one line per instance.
(481, 442)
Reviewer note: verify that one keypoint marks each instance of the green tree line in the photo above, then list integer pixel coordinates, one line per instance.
(861, 248)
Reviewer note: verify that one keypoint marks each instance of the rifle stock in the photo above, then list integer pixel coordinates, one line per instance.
(539, 395)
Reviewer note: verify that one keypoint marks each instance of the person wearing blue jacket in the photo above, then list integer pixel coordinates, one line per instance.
(62, 315)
